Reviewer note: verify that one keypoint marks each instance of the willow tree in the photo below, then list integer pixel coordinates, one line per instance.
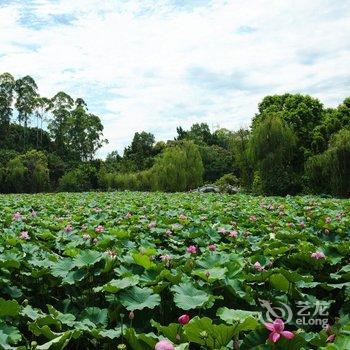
(271, 148)
(329, 172)
(179, 168)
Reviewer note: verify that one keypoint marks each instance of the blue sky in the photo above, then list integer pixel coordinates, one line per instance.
(155, 65)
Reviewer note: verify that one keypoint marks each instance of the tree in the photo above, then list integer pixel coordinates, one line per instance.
(7, 84)
(61, 108)
(179, 168)
(84, 132)
(239, 144)
(329, 172)
(26, 91)
(141, 151)
(271, 149)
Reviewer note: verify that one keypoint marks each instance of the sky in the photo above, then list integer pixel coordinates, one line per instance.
(147, 65)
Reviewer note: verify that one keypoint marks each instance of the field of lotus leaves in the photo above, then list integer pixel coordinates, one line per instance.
(159, 271)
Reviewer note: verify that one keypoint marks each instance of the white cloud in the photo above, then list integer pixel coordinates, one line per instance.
(132, 60)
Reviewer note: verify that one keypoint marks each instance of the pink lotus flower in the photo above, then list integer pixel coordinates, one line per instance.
(302, 224)
(152, 224)
(24, 235)
(165, 258)
(318, 255)
(258, 266)
(212, 247)
(68, 228)
(33, 213)
(112, 254)
(86, 237)
(131, 315)
(331, 338)
(328, 220)
(290, 224)
(99, 229)
(222, 230)
(203, 218)
(252, 218)
(164, 345)
(277, 329)
(128, 215)
(168, 232)
(17, 216)
(192, 249)
(96, 210)
(326, 231)
(233, 234)
(182, 217)
(184, 319)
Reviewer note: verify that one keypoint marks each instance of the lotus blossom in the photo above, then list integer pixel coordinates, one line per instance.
(277, 329)
(331, 338)
(128, 215)
(318, 255)
(17, 216)
(33, 213)
(252, 218)
(86, 237)
(96, 210)
(290, 224)
(203, 218)
(328, 220)
(152, 224)
(182, 217)
(233, 234)
(212, 247)
(68, 228)
(168, 232)
(99, 229)
(112, 254)
(184, 319)
(131, 315)
(24, 235)
(326, 231)
(302, 224)
(165, 258)
(192, 249)
(258, 266)
(164, 345)
(222, 230)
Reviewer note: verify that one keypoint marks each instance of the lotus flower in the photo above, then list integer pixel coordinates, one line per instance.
(152, 224)
(318, 255)
(68, 228)
(86, 236)
(17, 216)
(222, 230)
(212, 247)
(233, 234)
(99, 229)
(331, 338)
(164, 345)
(165, 258)
(184, 319)
(258, 266)
(192, 249)
(24, 235)
(328, 220)
(252, 218)
(182, 217)
(277, 329)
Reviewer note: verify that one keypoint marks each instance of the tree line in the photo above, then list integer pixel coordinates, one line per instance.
(294, 145)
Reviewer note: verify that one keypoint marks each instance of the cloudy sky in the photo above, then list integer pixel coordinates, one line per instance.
(155, 64)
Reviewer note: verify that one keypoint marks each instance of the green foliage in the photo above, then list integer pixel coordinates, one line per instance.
(82, 178)
(227, 179)
(330, 171)
(81, 289)
(179, 168)
(271, 149)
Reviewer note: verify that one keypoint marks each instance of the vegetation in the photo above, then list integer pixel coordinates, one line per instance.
(294, 145)
(128, 270)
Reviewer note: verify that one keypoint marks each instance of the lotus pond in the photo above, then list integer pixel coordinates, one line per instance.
(158, 271)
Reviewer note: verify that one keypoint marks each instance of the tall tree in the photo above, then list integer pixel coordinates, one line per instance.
(271, 148)
(26, 91)
(7, 84)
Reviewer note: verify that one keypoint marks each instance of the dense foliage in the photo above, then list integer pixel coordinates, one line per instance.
(98, 270)
(294, 145)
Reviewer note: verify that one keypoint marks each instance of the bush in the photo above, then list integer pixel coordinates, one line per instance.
(227, 179)
(80, 179)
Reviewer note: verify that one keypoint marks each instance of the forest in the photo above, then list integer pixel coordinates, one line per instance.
(294, 145)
